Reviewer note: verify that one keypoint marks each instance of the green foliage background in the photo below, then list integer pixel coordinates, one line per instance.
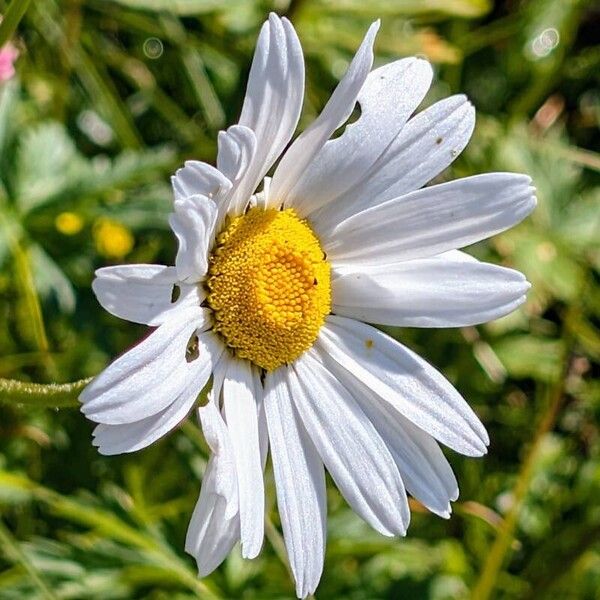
(112, 96)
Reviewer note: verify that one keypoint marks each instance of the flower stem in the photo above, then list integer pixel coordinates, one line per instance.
(501, 546)
(42, 395)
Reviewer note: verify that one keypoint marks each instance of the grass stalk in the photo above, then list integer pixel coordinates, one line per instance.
(12, 17)
(14, 551)
(501, 547)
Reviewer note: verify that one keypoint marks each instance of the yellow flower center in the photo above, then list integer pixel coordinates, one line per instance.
(269, 286)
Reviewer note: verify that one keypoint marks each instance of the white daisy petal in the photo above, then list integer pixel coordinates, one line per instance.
(241, 414)
(339, 107)
(273, 101)
(211, 535)
(237, 149)
(147, 294)
(388, 97)
(193, 223)
(196, 178)
(425, 146)
(130, 437)
(422, 465)
(215, 524)
(405, 381)
(428, 292)
(219, 440)
(432, 220)
(300, 484)
(353, 452)
(456, 255)
(153, 374)
(263, 430)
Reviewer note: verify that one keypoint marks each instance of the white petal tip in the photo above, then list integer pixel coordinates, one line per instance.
(204, 572)
(478, 452)
(304, 588)
(475, 447)
(304, 593)
(205, 568)
(251, 552)
(104, 451)
(274, 21)
(373, 29)
(533, 199)
(85, 406)
(397, 531)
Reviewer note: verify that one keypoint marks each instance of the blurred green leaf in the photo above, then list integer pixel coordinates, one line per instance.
(47, 164)
(182, 7)
(51, 281)
(528, 356)
(456, 8)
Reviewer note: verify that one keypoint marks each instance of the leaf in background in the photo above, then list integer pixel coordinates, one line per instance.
(143, 209)
(526, 356)
(127, 169)
(47, 164)
(50, 169)
(548, 263)
(113, 540)
(548, 31)
(10, 230)
(541, 157)
(455, 8)
(580, 225)
(183, 7)
(348, 33)
(50, 280)
(9, 95)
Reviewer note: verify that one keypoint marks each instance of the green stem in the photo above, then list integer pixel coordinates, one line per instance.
(13, 550)
(30, 296)
(501, 546)
(26, 285)
(37, 394)
(12, 17)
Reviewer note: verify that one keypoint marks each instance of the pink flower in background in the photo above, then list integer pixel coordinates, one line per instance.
(8, 56)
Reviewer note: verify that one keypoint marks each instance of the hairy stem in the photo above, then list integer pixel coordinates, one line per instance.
(43, 395)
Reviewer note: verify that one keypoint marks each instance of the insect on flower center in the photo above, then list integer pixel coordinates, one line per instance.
(269, 286)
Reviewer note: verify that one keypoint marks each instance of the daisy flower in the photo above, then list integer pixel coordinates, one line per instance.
(271, 294)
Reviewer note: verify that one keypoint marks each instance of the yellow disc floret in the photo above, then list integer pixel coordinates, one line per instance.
(269, 286)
